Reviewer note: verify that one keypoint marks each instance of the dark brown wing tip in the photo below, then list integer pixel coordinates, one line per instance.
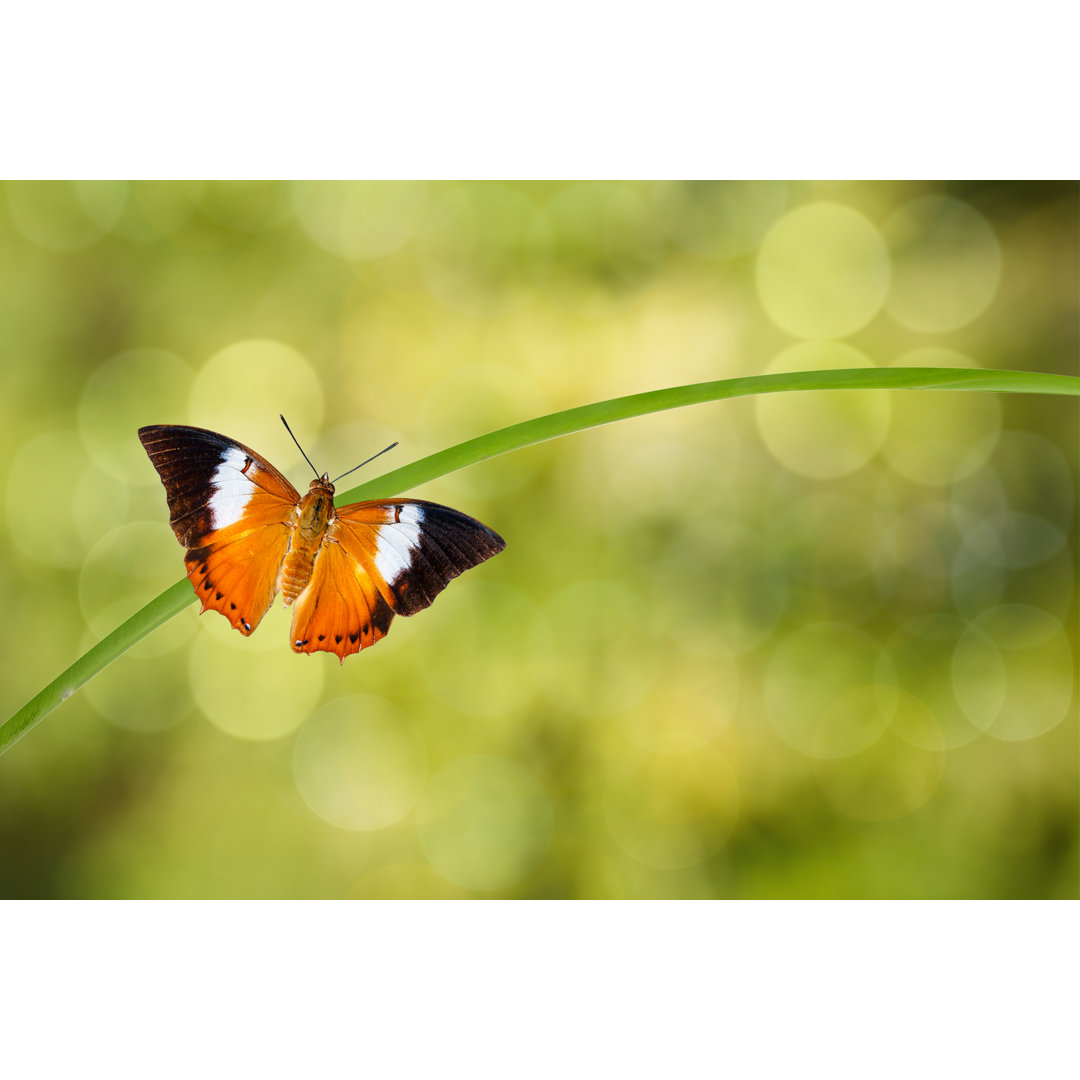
(153, 433)
(486, 544)
(450, 543)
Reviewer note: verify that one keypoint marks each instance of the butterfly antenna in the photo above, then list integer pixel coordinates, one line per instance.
(363, 463)
(298, 446)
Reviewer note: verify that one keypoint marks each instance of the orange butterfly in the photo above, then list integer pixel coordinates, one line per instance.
(348, 569)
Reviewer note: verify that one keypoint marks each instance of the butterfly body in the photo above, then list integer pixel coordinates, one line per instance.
(315, 513)
(346, 571)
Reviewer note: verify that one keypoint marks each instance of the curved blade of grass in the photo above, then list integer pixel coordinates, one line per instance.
(174, 599)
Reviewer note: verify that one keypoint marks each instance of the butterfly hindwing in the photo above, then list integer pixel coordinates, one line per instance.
(341, 610)
(379, 559)
(232, 510)
(238, 576)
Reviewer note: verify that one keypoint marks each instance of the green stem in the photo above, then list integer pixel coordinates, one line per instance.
(174, 599)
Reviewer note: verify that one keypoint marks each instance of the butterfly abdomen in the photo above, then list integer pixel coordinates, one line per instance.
(295, 574)
(316, 511)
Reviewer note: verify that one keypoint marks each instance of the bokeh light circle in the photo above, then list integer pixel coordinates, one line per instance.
(894, 775)
(479, 618)
(480, 241)
(145, 695)
(822, 271)
(720, 219)
(671, 811)
(359, 762)
(833, 539)
(1013, 672)
(241, 390)
(939, 438)
(706, 606)
(854, 721)
(946, 264)
(597, 654)
(405, 881)
(828, 433)
(360, 219)
(1014, 538)
(484, 822)
(58, 504)
(909, 543)
(65, 215)
(974, 584)
(131, 390)
(921, 652)
(810, 670)
(696, 700)
(158, 208)
(604, 229)
(656, 478)
(1007, 482)
(245, 205)
(123, 571)
(254, 695)
(979, 495)
(469, 400)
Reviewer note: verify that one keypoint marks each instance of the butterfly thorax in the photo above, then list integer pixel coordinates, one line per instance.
(316, 511)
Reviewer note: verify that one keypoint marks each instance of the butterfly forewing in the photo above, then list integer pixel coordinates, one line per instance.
(211, 481)
(232, 510)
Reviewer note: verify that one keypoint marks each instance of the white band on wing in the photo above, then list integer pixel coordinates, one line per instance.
(231, 490)
(396, 542)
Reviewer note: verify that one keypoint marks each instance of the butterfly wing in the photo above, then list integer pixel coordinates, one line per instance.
(232, 510)
(379, 559)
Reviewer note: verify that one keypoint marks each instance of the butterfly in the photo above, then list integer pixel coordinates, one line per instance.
(347, 571)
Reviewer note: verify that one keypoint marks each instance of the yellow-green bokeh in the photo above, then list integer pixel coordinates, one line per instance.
(808, 645)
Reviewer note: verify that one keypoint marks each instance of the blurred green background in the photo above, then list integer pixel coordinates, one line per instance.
(805, 645)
